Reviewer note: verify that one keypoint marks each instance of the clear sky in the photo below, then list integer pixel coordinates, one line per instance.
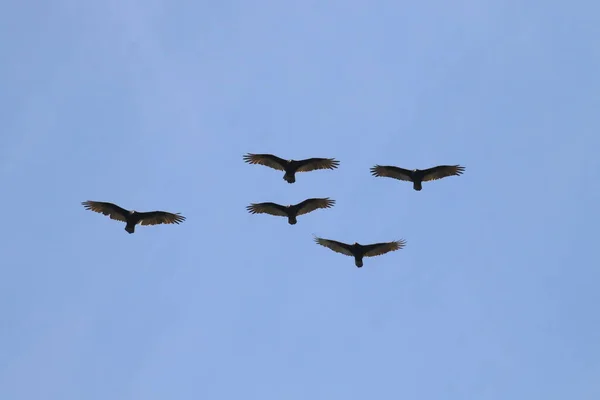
(151, 105)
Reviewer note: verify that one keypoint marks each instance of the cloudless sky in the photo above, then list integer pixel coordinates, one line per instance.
(151, 105)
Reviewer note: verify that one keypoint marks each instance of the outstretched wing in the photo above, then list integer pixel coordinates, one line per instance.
(310, 205)
(336, 246)
(442, 171)
(112, 210)
(389, 171)
(160, 217)
(268, 160)
(267, 208)
(377, 249)
(311, 164)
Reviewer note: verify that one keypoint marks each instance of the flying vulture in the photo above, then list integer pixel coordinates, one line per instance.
(358, 251)
(417, 176)
(291, 211)
(291, 166)
(132, 218)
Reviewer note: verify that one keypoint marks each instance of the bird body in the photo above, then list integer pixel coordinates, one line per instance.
(359, 251)
(132, 217)
(417, 176)
(290, 167)
(291, 211)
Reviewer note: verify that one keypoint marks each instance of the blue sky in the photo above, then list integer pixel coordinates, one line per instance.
(151, 105)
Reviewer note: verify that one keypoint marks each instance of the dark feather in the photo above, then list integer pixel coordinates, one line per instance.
(112, 210)
(313, 204)
(389, 171)
(336, 246)
(312, 164)
(442, 171)
(267, 208)
(268, 160)
(377, 249)
(160, 217)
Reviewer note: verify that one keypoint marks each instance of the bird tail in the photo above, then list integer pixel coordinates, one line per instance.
(358, 262)
(130, 228)
(417, 185)
(290, 178)
(292, 220)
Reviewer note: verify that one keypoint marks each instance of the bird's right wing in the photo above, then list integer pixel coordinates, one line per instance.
(112, 210)
(389, 171)
(267, 208)
(310, 205)
(336, 246)
(378, 249)
(268, 160)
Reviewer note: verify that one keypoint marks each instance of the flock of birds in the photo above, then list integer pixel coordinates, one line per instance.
(292, 212)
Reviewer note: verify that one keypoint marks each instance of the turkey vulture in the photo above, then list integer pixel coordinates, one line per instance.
(417, 175)
(132, 218)
(291, 166)
(358, 251)
(292, 211)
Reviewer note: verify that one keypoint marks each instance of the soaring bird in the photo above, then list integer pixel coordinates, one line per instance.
(417, 176)
(358, 251)
(291, 166)
(132, 218)
(291, 211)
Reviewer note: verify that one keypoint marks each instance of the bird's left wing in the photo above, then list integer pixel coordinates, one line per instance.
(442, 171)
(377, 249)
(311, 164)
(310, 205)
(160, 217)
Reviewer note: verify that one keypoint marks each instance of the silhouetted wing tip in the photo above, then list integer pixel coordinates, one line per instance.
(375, 171)
(179, 218)
(253, 209)
(325, 202)
(399, 244)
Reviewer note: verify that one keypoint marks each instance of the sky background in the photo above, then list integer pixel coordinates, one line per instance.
(151, 105)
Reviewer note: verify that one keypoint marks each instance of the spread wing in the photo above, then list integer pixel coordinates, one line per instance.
(268, 160)
(310, 205)
(267, 208)
(378, 249)
(442, 171)
(389, 171)
(112, 210)
(311, 164)
(160, 217)
(336, 246)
